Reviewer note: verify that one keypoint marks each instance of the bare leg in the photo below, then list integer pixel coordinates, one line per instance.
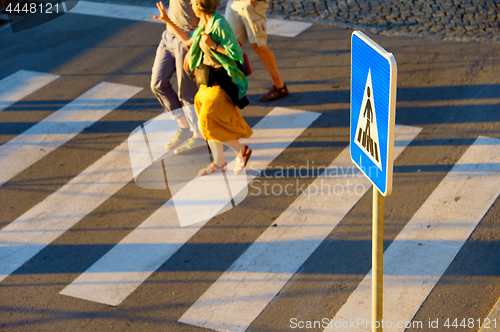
(217, 152)
(242, 155)
(218, 155)
(197, 134)
(238, 149)
(183, 124)
(269, 61)
(235, 145)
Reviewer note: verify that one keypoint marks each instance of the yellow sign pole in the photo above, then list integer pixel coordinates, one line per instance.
(377, 260)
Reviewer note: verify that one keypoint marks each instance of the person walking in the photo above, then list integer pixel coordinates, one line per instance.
(169, 60)
(215, 50)
(249, 23)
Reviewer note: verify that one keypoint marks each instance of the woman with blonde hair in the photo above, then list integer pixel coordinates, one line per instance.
(215, 54)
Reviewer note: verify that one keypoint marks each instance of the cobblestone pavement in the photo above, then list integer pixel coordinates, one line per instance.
(462, 20)
(472, 20)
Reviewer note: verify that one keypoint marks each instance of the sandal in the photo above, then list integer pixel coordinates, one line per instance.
(212, 168)
(274, 93)
(246, 153)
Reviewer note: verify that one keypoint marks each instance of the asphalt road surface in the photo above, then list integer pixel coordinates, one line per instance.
(83, 248)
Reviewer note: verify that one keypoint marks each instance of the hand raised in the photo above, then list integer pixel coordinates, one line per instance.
(163, 14)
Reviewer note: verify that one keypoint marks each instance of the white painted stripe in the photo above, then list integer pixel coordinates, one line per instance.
(234, 301)
(63, 3)
(283, 28)
(424, 249)
(492, 322)
(21, 84)
(208, 206)
(45, 222)
(118, 273)
(58, 128)
(125, 12)
(158, 131)
(192, 203)
(286, 28)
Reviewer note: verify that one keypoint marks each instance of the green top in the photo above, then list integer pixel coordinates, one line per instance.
(221, 33)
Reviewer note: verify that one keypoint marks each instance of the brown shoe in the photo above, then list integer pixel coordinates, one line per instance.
(274, 93)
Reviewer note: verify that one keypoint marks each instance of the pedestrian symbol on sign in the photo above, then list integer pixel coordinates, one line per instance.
(366, 132)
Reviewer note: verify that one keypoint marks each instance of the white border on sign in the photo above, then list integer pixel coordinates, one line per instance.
(392, 110)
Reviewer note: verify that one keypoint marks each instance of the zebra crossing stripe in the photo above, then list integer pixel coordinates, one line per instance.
(424, 249)
(21, 84)
(49, 219)
(126, 12)
(38, 227)
(283, 28)
(58, 128)
(234, 301)
(286, 28)
(125, 267)
(493, 319)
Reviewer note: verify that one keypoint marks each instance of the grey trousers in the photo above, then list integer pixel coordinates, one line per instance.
(169, 60)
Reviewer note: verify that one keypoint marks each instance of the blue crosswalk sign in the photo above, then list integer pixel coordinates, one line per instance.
(373, 108)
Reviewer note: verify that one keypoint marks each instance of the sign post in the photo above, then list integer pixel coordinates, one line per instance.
(373, 110)
(377, 259)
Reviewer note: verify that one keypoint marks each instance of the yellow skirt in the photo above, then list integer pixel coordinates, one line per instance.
(220, 120)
